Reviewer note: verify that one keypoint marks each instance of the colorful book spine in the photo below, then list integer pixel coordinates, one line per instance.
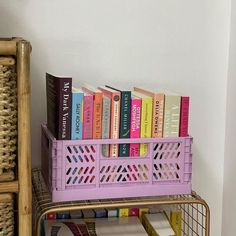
(184, 116)
(63, 215)
(59, 95)
(114, 118)
(76, 214)
(134, 212)
(88, 117)
(142, 212)
(88, 213)
(106, 124)
(100, 213)
(112, 212)
(97, 110)
(146, 124)
(51, 216)
(158, 115)
(77, 115)
(158, 110)
(171, 116)
(146, 121)
(135, 125)
(125, 122)
(125, 101)
(97, 115)
(123, 212)
(115, 121)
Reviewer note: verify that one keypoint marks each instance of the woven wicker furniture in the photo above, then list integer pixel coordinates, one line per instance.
(6, 214)
(8, 118)
(15, 161)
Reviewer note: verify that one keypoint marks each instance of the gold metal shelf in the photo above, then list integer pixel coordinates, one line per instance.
(196, 213)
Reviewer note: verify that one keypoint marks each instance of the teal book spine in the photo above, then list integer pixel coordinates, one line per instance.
(125, 106)
(125, 122)
(77, 116)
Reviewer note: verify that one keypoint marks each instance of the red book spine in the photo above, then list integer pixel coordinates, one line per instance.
(184, 117)
(51, 216)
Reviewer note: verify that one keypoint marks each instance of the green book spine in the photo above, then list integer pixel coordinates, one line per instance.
(125, 122)
(171, 116)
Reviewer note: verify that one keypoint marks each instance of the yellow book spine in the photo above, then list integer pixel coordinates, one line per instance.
(142, 211)
(123, 212)
(146, 124)
(176, 221)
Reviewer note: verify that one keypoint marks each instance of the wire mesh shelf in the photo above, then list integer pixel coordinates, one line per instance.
(195, 211)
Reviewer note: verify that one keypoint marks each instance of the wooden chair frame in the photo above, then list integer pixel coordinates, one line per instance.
(21, 50)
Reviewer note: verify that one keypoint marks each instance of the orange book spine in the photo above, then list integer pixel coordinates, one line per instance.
(97, 116)
(158, 115)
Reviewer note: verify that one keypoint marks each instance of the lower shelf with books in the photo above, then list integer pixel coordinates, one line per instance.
(78, 169)
(195, 213)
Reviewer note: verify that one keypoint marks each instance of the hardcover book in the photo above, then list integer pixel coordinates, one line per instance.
(171, 115)
(135, 125)
(176, 221)
(58, 90)
(128, 226)
(184, 116)
(115, 117)
(97, 110)
(124, 119)
(158, 225)
(77, 114)
(158, 110)
(146, 120)
(88, 117)
(65, 228)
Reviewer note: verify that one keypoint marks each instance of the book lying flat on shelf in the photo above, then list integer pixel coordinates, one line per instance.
(58, 90)
(65, 228)
(158, 225)
(127, 226)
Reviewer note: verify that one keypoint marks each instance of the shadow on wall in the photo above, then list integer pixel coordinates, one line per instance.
(12, 26)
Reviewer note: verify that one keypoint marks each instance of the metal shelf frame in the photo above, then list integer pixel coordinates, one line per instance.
(195, 217)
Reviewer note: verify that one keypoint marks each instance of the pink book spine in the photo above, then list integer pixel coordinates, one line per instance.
(135, 126)
(184, 116)
(88, 117)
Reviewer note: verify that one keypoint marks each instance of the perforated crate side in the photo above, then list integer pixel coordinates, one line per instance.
(51, 159)
(188, 160)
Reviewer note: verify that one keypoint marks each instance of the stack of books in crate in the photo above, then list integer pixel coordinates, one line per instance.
(111, 142)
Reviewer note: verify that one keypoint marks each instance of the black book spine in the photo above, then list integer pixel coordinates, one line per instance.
(65, 111)
(59, 99)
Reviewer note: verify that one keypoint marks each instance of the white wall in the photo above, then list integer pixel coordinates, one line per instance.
(229, 203)
(182, 45)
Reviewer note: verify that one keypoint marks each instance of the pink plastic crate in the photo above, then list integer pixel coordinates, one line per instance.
(76, 169)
